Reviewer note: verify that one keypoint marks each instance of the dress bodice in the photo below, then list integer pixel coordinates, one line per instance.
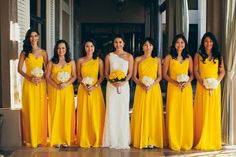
(118, 63)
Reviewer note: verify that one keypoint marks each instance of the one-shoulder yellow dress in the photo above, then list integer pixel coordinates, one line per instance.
(62, 110)
(34, 106)
(207, 110)
(91, 109)
(147, 124)
(179, 109)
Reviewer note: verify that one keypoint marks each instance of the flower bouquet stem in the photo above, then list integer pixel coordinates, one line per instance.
(118, 90)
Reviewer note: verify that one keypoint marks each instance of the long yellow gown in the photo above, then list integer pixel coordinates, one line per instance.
(62, 110)
(91, 109)
(179, 109)
(147, 124)
(207, 110)
(34, 106)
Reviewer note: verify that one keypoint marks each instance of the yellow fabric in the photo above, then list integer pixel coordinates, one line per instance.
(34, 106)
(207, 110)
(91, 109)
(62, 111)
(147, 126)
(179, 109)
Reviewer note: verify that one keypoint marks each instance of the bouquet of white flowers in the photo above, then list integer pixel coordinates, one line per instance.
(87, 81)
(147, 81)
(63, 76)
(37, 72)
(210, 83)
(182, 78)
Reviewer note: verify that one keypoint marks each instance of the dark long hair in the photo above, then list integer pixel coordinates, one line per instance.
(95, 55)
(152, 42)
(27, 47)
(173, 52)
(55, 58)
(216, 54)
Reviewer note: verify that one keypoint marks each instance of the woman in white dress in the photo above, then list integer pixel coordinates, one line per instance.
(117, 128)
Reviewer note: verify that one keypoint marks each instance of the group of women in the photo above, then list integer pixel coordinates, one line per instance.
(188, 124)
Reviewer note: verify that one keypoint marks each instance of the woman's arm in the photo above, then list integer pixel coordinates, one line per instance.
(130, 70)
(101, 72)
(221, 71)
(45, 59)
(129, 74)
(107, 67)
(159, 73)
(79, 64)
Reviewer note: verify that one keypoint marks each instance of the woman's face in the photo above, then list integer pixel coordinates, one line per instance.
(119, 44)
(34, 38)
(179, 45)
(208, 43)
(61, 49)
(89, 48)
(147, 47)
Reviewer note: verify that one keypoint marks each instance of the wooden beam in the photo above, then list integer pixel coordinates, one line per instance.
(5, 55)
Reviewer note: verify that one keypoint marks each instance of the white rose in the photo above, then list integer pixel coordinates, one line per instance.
(147, 81)
(210, 83)
(87, 81)
(63, 76)
(182, 78)
(37, 72)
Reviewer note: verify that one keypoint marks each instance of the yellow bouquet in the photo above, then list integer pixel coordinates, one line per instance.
(117, 76)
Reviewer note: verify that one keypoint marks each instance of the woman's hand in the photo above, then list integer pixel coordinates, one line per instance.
(86, 88)
(63, 85)
(143, 86)
(35, 80)
(149, 87)
(184, 85)
(91, 88)
(118, 84)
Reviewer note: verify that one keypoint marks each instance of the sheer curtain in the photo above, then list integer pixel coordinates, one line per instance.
(182, 17)
(229, 56)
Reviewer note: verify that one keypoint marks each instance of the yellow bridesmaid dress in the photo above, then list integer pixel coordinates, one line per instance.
(207, 110)
(91, 109)
(179, 109)
(147, 124)
(62, 110)
(34, 106)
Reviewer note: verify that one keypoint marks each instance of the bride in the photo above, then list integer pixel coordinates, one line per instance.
(116, 131)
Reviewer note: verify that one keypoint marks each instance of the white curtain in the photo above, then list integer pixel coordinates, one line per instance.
(229, 56)
(182, 17)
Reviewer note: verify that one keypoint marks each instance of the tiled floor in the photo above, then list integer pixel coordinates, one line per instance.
(106, 152)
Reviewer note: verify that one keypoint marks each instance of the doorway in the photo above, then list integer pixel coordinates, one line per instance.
(103, 35)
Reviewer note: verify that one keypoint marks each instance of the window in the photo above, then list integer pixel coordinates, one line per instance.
(38, 19)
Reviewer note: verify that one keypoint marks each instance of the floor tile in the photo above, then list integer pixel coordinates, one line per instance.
(108, 152)
(23, 153)
(89, 152)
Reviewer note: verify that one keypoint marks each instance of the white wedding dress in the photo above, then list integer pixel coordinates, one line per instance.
(117, 128)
